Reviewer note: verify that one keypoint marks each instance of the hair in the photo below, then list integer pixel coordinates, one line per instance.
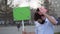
(37, 16)
(37, 10)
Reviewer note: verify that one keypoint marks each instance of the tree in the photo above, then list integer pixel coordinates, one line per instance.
(5, 11)
(51, 9)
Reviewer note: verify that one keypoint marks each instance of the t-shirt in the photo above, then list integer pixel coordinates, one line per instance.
(46, 28)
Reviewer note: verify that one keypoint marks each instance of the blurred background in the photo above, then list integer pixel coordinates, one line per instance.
(9, 26)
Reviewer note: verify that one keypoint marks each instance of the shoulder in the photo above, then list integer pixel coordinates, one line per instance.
(36, 23)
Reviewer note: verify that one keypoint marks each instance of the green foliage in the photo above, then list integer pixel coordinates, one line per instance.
(57, 33)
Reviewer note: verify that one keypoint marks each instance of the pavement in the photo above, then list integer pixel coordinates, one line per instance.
(14, 30)
(10, 30)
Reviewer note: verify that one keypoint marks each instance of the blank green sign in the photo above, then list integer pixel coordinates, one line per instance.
(21, 13)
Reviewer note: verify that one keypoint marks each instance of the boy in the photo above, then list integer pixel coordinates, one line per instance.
(44, 23)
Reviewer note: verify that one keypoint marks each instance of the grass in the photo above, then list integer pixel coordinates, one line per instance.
(57, 33)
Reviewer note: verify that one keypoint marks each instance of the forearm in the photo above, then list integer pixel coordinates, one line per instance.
(53, 21)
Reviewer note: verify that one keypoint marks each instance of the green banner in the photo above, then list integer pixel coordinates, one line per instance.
(21, 13)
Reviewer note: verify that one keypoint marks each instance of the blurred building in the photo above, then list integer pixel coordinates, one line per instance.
(6, 12)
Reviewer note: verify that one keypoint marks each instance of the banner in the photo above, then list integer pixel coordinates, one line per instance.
(21, 13)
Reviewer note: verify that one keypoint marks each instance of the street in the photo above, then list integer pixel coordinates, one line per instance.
(9, 30)
(14, 30)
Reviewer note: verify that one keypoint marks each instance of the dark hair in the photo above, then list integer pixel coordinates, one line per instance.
(37, 10)
(37, 16)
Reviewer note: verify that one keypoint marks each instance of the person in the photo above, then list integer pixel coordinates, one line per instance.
(44, 23)
(18, 26)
